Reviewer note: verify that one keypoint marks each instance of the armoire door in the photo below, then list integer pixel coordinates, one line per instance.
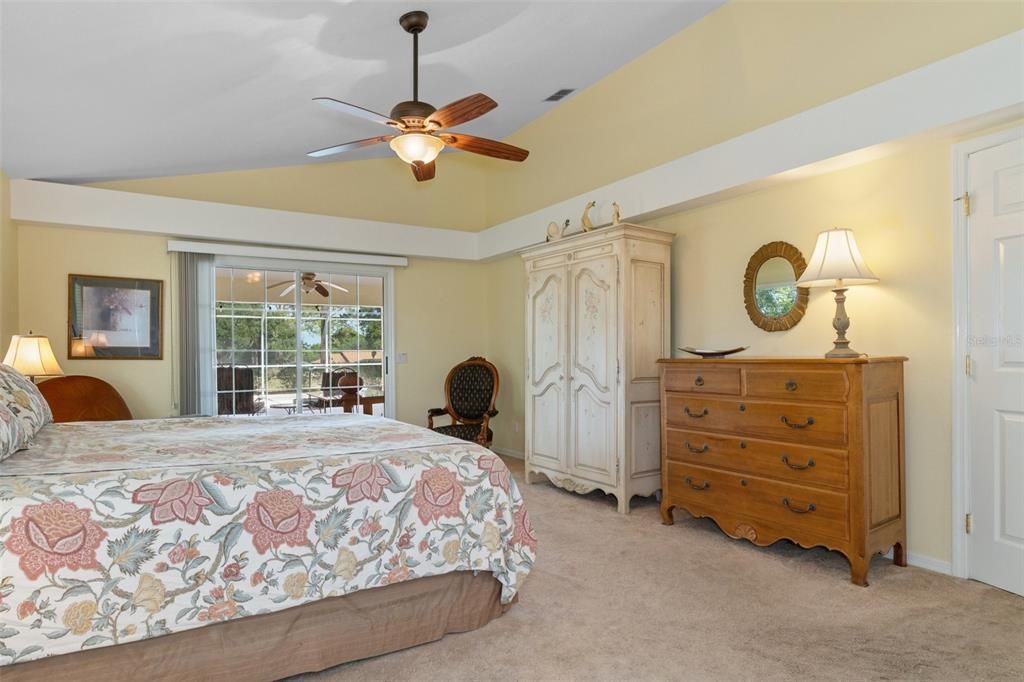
(593, 374)
(547, 321)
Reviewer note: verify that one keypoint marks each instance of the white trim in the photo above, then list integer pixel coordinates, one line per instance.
(507, 452)
(930, 563)
(961, 470)
(926, 562)
(988, 81)
(248, 250)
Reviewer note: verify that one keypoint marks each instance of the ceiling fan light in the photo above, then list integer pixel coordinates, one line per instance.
(412, 147)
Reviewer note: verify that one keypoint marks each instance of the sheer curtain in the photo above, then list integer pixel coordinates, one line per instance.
(195, 342)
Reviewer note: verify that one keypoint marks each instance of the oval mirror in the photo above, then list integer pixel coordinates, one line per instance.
(774, 302)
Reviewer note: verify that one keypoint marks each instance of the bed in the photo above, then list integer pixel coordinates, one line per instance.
(204, 547)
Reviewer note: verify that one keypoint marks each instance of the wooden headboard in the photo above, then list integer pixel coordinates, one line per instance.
(82, 398)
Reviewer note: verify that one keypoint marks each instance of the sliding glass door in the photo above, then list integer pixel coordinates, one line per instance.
(300, 341)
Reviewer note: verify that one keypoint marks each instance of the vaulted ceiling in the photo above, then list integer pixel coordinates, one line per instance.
(120, 89)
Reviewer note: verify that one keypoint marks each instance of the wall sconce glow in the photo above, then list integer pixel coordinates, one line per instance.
(33, 357)
(412, 147)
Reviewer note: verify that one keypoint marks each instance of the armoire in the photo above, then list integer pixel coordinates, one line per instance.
(598, 319)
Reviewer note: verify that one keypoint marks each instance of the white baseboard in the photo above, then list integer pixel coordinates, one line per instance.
(516, 454)
(926, 562)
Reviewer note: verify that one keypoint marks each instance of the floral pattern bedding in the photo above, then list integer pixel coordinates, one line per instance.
(111, 532)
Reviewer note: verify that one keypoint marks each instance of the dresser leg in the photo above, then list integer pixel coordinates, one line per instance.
(859, 570)
(899, 554)
(623, 504)
(666, 514)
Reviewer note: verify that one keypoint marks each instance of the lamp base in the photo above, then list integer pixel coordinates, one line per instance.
(841, 323)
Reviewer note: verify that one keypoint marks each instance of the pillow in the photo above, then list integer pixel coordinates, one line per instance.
(12, 437)
(23, 399)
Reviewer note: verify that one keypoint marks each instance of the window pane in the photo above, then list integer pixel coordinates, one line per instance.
(344, 335)
(281, 334)
(247, 332)
(370, 335)
(281, 379)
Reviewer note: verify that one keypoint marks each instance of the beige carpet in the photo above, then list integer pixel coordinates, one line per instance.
(625, 598)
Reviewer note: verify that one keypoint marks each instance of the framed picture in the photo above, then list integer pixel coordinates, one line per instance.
(115, 318)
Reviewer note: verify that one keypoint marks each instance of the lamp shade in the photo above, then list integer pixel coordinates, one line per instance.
(412, 147)
(836, 262)
(33, 357)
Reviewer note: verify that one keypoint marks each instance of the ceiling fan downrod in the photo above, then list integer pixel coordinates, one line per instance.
(415, 22)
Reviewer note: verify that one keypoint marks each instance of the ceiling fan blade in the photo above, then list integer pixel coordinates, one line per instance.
(336, 286)
(348, 146)
(481, 145)
(461, 111)
(353, 110)
(288, 290)
(322, 290)
(280, 284)
(423, 171)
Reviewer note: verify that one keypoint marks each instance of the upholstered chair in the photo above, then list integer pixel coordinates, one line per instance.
(470, 391)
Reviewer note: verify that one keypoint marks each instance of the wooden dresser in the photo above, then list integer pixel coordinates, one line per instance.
(806, 449)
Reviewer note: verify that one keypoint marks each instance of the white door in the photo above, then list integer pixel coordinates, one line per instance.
(547, 322)
(593, 377)
(995, 389)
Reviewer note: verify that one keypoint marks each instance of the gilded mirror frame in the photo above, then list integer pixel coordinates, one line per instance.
(763, 254)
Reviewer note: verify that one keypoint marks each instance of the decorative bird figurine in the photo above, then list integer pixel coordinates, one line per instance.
(585, 222)
(615, 213)
(554, 232)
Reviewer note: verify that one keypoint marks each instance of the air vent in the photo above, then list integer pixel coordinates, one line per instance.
(559, 94)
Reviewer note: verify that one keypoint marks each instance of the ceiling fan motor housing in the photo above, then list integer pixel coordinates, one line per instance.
(416, 111)
(414, 22)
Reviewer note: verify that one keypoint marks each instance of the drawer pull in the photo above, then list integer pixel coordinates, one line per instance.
(790, 385)
(689, 482)
(807, 422)
(697, 451)
(796, 510)
(785, 460)
(699, 381)
(695, 415)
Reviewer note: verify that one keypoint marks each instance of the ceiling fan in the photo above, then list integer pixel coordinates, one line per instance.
(420, 129)
(310, 283)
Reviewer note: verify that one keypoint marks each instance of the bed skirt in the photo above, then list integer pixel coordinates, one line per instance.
(305, 638)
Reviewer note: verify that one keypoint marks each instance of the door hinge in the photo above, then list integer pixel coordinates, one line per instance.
(965, 199)
(968, 523)
(968, 367)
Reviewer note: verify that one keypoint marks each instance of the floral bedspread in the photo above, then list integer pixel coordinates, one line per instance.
(112, 532)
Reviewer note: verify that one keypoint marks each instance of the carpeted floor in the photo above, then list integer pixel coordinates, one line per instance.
(625, 598)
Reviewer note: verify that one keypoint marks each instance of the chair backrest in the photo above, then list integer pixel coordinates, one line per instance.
(241, 380)
(471, 389)
(82, 398)
(341, 382)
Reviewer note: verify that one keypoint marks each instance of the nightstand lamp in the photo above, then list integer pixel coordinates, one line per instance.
(837, 263)
(33, 357)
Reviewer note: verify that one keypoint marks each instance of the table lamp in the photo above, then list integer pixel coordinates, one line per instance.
(837, 263)
(33, 357)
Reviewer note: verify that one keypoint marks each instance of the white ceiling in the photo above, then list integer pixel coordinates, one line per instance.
(99, 90)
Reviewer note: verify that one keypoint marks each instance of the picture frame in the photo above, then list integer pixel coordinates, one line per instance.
(115, 318)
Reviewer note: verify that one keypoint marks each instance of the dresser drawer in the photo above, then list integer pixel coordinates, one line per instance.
(725, 380)
(804, 511)
(797, 384)
(797, 463)
(814, 424)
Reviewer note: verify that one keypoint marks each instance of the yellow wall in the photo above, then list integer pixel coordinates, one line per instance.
(8, 268)
(899, 208)
(437, 305)
(47, 255)
(745, 65)
(506, 347)
(375, 189)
